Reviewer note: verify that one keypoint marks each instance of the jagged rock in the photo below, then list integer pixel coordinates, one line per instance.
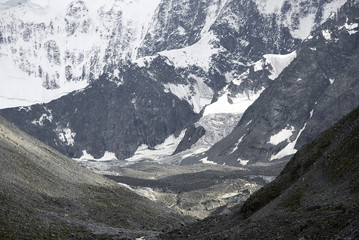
(191, 137)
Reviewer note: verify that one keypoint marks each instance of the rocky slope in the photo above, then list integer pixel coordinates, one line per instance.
(315, 197)
(313, 92)
(43, 194)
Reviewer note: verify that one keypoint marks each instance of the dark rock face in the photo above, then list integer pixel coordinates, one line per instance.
(311, 94)
(191, 137)
(115, 115)
(315, 196)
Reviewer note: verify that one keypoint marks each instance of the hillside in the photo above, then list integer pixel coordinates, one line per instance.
(43, 194)
(315, 197)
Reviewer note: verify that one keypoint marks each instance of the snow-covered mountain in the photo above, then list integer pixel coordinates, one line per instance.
(312, 93)
(140, 61)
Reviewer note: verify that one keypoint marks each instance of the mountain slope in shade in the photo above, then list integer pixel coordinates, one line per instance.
(44, 195)
(312, 93)
(315, 197)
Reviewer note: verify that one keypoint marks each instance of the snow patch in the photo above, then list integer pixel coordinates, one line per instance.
(108, 156)
(234, 105)
(327, 34)
(66, 136)
(331, 8)
(269, 6)
(159, 152)
(279, 62)
(331, 80)
(351, 27)
(243, 162)
(45, 116)
(198, 54)
(237, 144)
(283, 135)
(289, 149)
(305, 27)
(206, 161)
(198, 95)
(258, 65)
(20, 89)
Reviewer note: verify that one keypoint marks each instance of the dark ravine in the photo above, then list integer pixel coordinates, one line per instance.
(315, 197)
(44, 195)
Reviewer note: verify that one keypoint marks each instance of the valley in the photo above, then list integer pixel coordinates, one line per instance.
(188, 119)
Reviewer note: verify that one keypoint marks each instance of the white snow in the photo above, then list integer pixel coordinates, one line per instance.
(283, 135)
(243, 162)
(213, 12)
(19, 89)
(331, 80)
(88, 157)
(305, 27)
(160, 151)
(24, 87)
(198, 95)
(237, 144)
(198, 54)
(327, 34)
(331, 8)
(240, 103)
(311, 113)
(352, 28)
(269, 6)
(258, 65)
(289, 149)
(66, 136)
(306, 20)
(279, 62)
(206, 161)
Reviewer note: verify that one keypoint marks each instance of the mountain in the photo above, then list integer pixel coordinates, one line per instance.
(315, 197)
(43, 194)
(316, 89)
(220, 52)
